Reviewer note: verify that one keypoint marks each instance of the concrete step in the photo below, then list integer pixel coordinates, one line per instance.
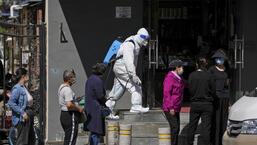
(145, 126)
(154, 119)
(144, 141)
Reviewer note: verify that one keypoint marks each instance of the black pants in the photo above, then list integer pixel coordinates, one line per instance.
(205, 112)
(220, 118)
(25, 131)
(174, 122)
(69, 122)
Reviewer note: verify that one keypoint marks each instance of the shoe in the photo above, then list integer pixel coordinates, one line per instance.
(113, 117)
(110, 104)
(139, 109)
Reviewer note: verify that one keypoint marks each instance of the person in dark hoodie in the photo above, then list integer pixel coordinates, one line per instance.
(220, 116)
(95, 101)
(202, 91)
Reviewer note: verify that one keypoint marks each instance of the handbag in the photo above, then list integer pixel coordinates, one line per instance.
(82, 117)
(105, 111)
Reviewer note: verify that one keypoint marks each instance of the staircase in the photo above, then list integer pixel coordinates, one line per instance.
(145, 126)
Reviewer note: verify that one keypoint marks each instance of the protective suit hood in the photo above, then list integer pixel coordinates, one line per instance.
(142, 37)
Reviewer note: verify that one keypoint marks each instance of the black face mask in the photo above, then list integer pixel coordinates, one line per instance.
(72, 81)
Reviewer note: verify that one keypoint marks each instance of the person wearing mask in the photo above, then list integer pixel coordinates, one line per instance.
(95, 101)
(202, 92)
(222, 92)
(69, 109)
(21, 103)
(173, 89)
(125, 73)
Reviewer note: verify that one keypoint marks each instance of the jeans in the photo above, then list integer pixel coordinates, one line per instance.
(94, 139)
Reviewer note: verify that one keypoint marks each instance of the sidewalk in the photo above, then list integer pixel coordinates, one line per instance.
(144, 127)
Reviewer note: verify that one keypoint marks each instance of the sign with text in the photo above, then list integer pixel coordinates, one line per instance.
(123, 12)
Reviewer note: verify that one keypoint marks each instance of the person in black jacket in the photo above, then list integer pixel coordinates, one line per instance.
(221, 106)
(202, 91)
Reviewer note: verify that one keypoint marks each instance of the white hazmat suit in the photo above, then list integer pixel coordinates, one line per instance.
(125, 73)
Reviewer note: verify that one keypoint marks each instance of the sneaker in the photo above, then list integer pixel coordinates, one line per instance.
(113, 117)
(139, 109)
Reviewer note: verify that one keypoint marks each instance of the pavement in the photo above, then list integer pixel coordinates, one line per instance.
(144, 128)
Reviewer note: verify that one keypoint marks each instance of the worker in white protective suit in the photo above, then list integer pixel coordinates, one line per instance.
(125, 73)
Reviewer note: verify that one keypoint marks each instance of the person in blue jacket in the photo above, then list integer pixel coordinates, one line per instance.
(95, 101)
(21, 104)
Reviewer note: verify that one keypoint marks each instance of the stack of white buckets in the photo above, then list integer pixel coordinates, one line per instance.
(120, 134)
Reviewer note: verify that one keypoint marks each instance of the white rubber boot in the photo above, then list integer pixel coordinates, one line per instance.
(139, 109)
(110, 104)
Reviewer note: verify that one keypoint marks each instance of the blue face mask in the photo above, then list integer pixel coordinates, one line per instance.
(219, 61)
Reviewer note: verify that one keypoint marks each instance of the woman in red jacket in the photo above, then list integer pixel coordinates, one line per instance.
(173, 89)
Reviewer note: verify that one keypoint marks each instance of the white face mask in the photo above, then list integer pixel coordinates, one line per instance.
(142, 41)
(145, 43)
(219, 61)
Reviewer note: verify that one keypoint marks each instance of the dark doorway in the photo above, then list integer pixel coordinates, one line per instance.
(183, 30)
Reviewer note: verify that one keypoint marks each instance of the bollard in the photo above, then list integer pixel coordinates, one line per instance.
(164, 136)
(112, 133)
(125, 134)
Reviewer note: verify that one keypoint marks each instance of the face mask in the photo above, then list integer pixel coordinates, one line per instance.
(145, 43)
(142, 40)
(72, 81)
(219, 61)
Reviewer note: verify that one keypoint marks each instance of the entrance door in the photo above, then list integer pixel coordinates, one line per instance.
(245, 40)
(175, 27)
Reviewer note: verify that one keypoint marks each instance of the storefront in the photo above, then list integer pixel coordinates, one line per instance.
(185, 29)
(190, 28)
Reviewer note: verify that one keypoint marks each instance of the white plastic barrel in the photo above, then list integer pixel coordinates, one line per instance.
(125, 134)
(112, 133)
(164, 136)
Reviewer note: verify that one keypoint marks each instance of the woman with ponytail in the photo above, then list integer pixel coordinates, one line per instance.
(21, 104)
(202, 94)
